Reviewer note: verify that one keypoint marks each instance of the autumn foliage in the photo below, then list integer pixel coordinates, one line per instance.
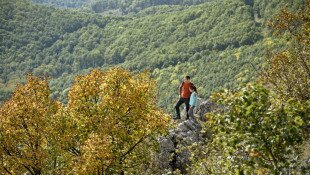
(263, 127)
(107, 127)
(26, 129)
(289, 70)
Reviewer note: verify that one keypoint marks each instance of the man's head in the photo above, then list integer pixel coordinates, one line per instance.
(187, 78)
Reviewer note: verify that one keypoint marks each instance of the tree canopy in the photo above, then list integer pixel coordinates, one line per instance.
(109, 126)
(263, 127)
(171, 41)
(98, 111)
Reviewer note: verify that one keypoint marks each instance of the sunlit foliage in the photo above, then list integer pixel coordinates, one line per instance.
(118, 110)
(27, 129)
(109, 126)
(256, 132)
(258, 128)
(289, 70)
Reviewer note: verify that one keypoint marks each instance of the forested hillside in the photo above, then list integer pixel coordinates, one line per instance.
(263, 7)
(99, 94)
(64, 3)
(120, 6)
(218, 43)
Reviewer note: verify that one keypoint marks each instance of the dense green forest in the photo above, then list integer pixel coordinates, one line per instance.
(263, 7)
(120, 6)
(218, 43)
(64, 3)
(133, 6)
(101, 82)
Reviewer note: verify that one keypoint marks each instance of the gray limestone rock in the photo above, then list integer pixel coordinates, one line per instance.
(174, 152)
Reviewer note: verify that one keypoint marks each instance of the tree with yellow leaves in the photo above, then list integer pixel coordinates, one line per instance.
(26, 129)
(289, 70)
(109, 126)
(116, 117)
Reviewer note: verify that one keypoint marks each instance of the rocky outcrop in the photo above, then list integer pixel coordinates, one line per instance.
(174, 152)
(204, 107)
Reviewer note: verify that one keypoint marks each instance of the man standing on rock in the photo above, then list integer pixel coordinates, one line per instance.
(184, 94)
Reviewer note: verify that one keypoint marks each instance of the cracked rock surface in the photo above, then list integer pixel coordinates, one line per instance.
(174, 153)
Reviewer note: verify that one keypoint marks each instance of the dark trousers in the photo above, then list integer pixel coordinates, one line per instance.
(179, 103)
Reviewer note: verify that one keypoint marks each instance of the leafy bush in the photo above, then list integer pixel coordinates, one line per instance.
(255, 132)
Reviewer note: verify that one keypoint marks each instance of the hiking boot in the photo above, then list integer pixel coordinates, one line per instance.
(176, 117)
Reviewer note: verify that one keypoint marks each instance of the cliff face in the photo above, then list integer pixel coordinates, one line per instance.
(174, 151)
